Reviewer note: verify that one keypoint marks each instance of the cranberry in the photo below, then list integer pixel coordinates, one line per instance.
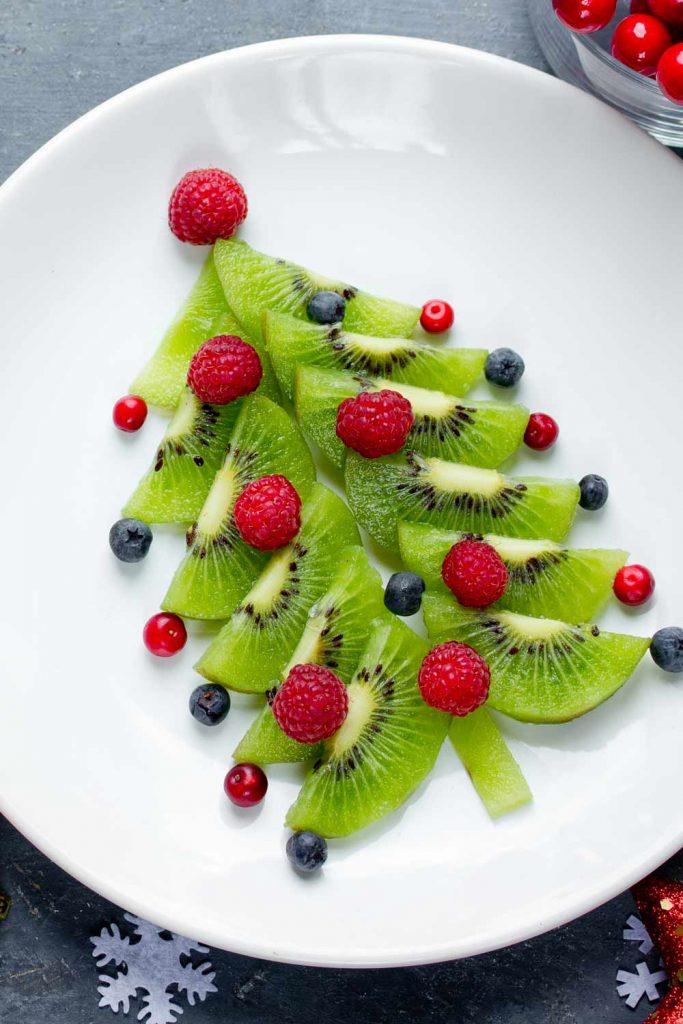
(541, 432)
(246, 785)
(164, 634)
(639, 41)
(436, 316)
(634, 584)
(670, 73)
(670, 11)
(129, 413)
(585, 15)
(640, 7)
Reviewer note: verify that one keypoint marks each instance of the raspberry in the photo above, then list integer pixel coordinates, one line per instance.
(375, 423)
(454, 678)
(206, 205)
(268, 513)
(224, 368)
(311, 704)
(475, 573)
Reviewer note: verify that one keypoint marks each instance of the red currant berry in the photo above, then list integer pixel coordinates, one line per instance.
(164, 634)
(640, 7)
(436, 316)
(634, 584)
(639, 41)
(585, 15)
(541, 432)
(129, 413)
(670, 73)
(245, 785)
(670, 11)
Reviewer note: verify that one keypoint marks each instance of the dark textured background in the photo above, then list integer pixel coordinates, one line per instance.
(59, 58)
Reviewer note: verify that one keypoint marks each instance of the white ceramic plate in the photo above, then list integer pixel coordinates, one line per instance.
(414, 169)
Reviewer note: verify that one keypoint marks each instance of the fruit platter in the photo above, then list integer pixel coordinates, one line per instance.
(266, 357)
(360, 586)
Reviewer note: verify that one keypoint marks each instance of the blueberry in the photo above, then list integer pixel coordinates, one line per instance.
(209, 703)
(594, 492)
(503, 367)
(667, 649)
(326, 308)
(403, 594)
(306, 851)
(130, 539)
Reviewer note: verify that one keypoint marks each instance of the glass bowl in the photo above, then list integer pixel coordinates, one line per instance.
(586, 61)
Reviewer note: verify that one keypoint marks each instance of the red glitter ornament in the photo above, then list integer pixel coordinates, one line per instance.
(660, 904)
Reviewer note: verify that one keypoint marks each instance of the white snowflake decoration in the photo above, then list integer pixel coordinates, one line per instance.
(152, 965)
(632, 987)
(636, 931)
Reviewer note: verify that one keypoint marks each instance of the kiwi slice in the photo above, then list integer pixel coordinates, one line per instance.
(204, 315)
(486, 757)
(474, 433)
(387, 745)
(190, 453)
(253, 647)
(219, 567)
(542, 670)
(162, 380)
(334, 635)
(293, 342)
(253, 283)
(416, 488)
(544, 578)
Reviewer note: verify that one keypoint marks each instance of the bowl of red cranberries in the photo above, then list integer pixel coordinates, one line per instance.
(627, 52)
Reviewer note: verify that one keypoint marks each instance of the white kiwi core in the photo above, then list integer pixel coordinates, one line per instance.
(531, 628)
(361, 706)
(220, 500)
(454, 477)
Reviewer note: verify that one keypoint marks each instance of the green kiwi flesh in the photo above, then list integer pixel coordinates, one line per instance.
(190, 453)
(204, 314)
(486, 757)
(219, 568)
(544, 578)
(411, 487)
(294, 342)
(542, 670)
(161, 381)
(252, 648)
(334, 635)
(474, 433)
(253, 283)
(385, 748)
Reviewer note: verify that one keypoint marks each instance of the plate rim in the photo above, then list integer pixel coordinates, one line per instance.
(487, 940)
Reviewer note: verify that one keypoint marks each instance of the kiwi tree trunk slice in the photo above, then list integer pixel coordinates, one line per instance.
(475, 433)
(204, 315)
(293, 342)
(253, 283)
(542, 670)
(486, 757)
(334, 635)
(385, 748)
(219, 568)
(411, 487)
(253, 647)
(544, 578)
(190, 453)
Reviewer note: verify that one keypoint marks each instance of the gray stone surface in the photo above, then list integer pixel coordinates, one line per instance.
(59, 58)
